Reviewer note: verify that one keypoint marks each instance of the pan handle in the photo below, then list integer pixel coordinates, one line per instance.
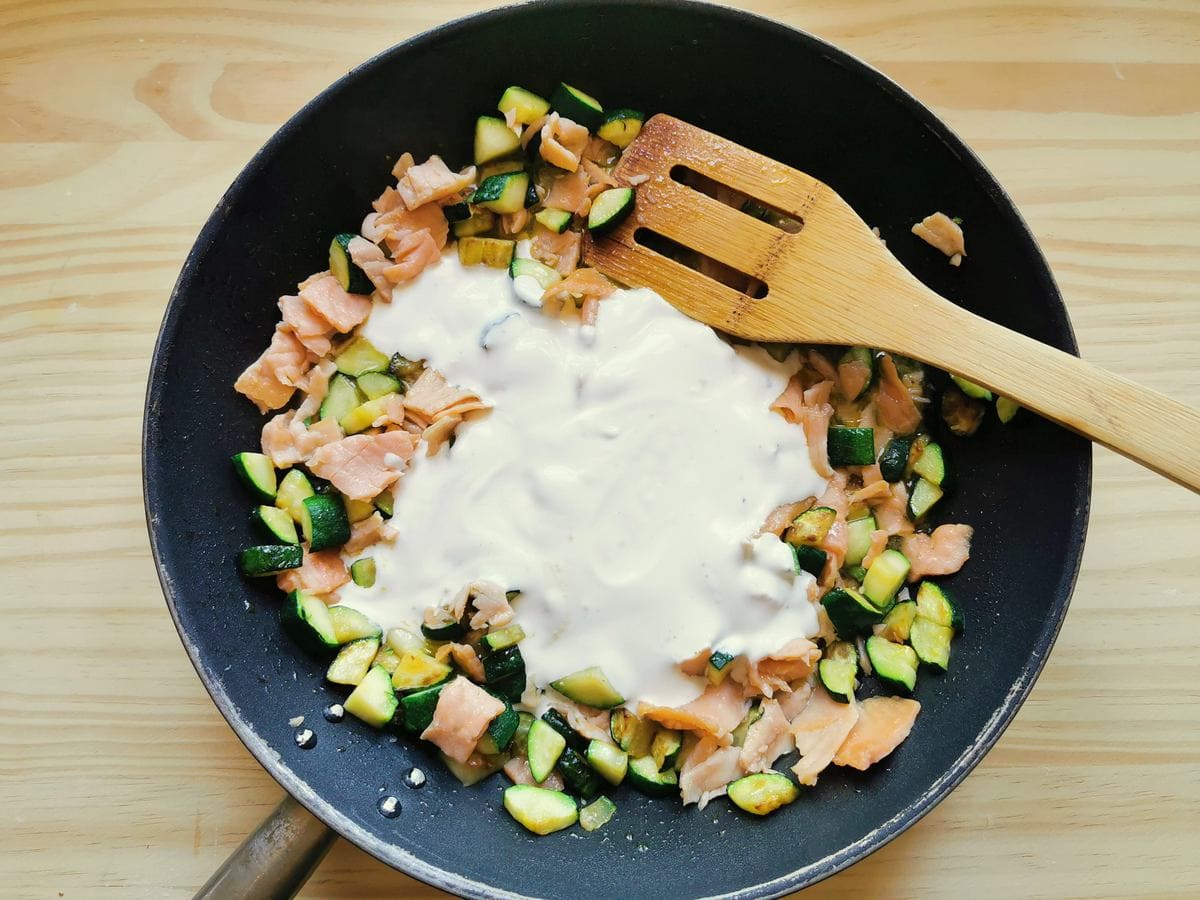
(275, 860)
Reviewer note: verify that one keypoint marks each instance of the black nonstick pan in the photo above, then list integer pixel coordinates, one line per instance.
(1024, 487)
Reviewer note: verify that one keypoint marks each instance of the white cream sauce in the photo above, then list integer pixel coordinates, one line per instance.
(618, 481)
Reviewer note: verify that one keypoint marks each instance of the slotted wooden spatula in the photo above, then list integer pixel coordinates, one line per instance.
(834, 282)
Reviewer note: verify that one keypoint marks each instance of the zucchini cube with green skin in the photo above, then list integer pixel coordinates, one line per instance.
(850, 612)
(763, 792)
(500, 732)
(577, 775)
(644, 776)
(893, 461)
(971, 389)
(858, 539)
(481, 220)
(898, 622)
(494, 139)
(416, 671)
(276, 524)
(931, 642)
(557, 220)
(838, 670)
(504, 193)
(572, 103)
(500, 638)
(293, 490)
(558, 722)
(373, 700)
(936, 603)
(923, 497)
(526, 106)
(631, 733)
(269, 559)
(753, 714)
(717, 670)
(609, 760)
(324, 522)
(258, 474)
(540, 810)
(1006, 409)
(851, 446)
(362, 572)
(621, 126)
(596, 814)
(665, 747)
(931, 465)
(885, 577)
(306, 621)
(609, 209)
(352, 279)
(590, 687)
(374, 385)
(477, 767)
(809, 559)
(366, 414)
(895, 664)
(502, 664)
(860, 359)
(353, 661)
(341, 396)
(360, 357)
(416, 709)
(494, 252)
(351, 625)
(810, 528)
(543, 747)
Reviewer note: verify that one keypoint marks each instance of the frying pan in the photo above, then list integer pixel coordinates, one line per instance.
(1024, 487)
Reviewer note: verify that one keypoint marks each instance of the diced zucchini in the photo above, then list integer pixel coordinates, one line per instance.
(632, 734)
(753, 714)
(666, 746)
(508, 636)
(1006, 409)
(577, 775)
(931, 464)
(306, 620)
(341, 397)
(500, 732)
(596, 814)
(417, 671)
(621, 126)
(387, 658)
(350, 625)
(610, 209)
(856, 573)
(385, 503)
(925, 494)
(543, 747)
(353, 661)
(540, 810)
(935, 603)
(494, 139)
(971, 389)
(860, 357)
(498, 167)
(590, 687)
(893, 461)
(574, 739)
(323, 522)
(898, 622)
(362, 572)
(838, 670)
(417, 708)
(811, 526)
(269, 559)
(810, 559)
(527, 106)
(858, 539)
(362, 416)
(894, 663)
(443, 628)
(644, 776)
(477, 767)
(258, 474)
(373, 700)
(885, 577)
(360, 357)
(456, 212)
(931, 642)
(275, 523)
(574, 104)
(501, 664)
(481, 220)
(503, 193)
(405, 369)
(358, 510)
(293, 491)
(378, 384)
(717, 670)
(850, 612)
(557, 220)
(610, 761)
(851, 446)
(352, 279)
(763, 792)
(530, 279)
(494, 252)
(510, 688)
(402, 641)
(520, 741)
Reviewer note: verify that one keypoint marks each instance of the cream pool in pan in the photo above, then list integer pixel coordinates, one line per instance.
(618, 481)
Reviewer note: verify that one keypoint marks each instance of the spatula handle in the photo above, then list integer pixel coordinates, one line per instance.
(1149, 428)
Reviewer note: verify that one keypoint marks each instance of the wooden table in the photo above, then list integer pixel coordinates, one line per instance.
(123, 121)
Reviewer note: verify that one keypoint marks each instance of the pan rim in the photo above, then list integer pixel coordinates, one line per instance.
(408, 862)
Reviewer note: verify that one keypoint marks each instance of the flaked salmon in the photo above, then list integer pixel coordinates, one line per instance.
(464, 711)
(363, 465)
(943, 552)
(883, 724)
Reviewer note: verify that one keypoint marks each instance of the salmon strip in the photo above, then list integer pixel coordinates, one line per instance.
(781, 516)
(330, 301)
(940, 231)
(288, 441)
(402, 222)
(374, 263)
(896, 406)
(853, 377)
(430, 181)
(709, 768)
(310, 328)
(315, 384)
(431, 397)
(767, 739)
(387, 201)
(517, 770)
(463, 712)
(943, 552)
(270, 380)
(569, 192)
(891, 513)
(363, 465)
(563, 142)
(321, 573)
(792, 702)
(883, 724)
(819, 731)
(582, 284)
(716, 712)
(558, 251)
(370, 531)
(791, 662)
(879, 539)
(413, 255)
(463, 656)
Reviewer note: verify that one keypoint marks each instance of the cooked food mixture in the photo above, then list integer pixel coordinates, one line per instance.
(554, 527)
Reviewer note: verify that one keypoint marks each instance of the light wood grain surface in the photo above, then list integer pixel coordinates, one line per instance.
(120, 125)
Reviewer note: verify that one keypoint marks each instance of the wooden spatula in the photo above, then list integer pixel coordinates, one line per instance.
(834, 282)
